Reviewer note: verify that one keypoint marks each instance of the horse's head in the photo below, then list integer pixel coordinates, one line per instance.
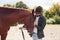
(27, 17)
(29, 21)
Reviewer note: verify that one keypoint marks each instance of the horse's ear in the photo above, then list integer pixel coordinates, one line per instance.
(33, 12)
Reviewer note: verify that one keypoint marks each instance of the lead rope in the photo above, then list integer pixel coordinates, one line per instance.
(23, 34)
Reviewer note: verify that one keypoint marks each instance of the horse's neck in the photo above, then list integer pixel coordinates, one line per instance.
(14, 15)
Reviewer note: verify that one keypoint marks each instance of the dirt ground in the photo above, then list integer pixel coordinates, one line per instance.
(52, 32)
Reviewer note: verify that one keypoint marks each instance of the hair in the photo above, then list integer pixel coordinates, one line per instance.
(39, 9)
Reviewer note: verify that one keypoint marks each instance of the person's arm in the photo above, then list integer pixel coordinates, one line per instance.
(42, 23)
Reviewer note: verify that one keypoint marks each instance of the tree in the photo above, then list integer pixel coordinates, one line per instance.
(8, 5)
(54, 13)
(21, 5)
(55, 9)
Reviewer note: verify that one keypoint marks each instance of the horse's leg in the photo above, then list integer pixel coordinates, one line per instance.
(4, 33)
(3, 36)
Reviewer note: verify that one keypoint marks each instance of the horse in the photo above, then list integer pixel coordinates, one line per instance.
(9, 16)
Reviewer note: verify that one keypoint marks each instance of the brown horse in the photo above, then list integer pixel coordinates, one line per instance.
(9, 16)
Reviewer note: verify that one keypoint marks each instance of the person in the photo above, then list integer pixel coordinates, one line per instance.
(39, 24)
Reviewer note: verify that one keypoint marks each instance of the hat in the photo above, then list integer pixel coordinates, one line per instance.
(38, 9)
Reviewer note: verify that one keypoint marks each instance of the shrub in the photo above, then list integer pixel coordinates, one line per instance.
(57, 19)
(50, 21)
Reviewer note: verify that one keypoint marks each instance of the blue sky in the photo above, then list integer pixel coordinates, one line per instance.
(46, 4)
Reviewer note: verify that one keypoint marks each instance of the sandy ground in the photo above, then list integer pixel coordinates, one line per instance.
(52, 32)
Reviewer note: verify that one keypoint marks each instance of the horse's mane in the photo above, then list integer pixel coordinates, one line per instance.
(7, 10)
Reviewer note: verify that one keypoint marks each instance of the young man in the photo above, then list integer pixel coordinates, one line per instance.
(39, 24)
